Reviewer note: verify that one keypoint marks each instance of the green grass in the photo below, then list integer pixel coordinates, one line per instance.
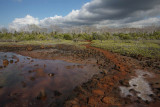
(46, 42)
(147, 48)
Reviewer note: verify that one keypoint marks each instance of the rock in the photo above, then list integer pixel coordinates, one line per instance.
(75, 105)
(32, 78)
(115, 78)
(5, 62)
(36, 65)
(91, 100)
(1, 67)
(42, 47)
(30, 71)
(57, 93)
(108, 100)
(11, 61)
(124, 82)
(44, 65)
(51, 74)
(42, 95)
(73, 102)
(68, 67)
(98, 92)
(23, 84)
(29, 48)
(17, 60)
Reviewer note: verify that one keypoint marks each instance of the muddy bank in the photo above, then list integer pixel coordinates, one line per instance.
(113, 86)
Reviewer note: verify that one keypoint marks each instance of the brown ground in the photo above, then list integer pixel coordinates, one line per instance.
(103, 89)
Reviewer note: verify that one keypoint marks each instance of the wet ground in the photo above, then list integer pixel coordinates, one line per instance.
(27, 81)
(90, 77)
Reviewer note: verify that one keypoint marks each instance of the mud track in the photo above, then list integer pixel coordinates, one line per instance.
(103, 89)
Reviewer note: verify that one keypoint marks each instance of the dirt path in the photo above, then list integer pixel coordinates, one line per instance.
(103, 89)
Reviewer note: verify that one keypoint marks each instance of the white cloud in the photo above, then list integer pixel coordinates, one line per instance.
(18, 23)
(101, 13)
(56, 20)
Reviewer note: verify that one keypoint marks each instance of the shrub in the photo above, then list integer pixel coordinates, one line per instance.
(67, 37)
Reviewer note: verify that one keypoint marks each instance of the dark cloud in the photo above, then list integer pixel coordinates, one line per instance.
(114, 13)
(118, 9)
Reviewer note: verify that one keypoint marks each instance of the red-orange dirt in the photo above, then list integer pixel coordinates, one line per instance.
(103, 90)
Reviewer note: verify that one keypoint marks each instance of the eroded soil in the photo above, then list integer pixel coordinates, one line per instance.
(105, 88)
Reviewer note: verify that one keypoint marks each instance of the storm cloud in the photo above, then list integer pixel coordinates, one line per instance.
(111, 13)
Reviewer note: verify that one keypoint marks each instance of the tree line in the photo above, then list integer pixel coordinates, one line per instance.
(26, 36)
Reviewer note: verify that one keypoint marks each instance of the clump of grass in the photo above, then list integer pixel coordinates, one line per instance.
(146, 48)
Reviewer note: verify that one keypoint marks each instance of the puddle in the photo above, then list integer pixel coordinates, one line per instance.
(25, 81)
(139, 85)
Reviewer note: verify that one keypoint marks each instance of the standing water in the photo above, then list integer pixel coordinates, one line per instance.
(25, 81)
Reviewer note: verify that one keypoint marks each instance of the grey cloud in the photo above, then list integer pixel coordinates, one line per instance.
(118, 9)
(111, 13)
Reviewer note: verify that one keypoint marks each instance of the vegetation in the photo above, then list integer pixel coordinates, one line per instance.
(22, 36)
(146, 44)
(147, 48)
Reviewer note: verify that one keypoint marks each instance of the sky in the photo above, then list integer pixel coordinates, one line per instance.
(111, 13)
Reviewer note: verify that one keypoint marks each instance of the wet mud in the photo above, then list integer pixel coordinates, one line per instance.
(118, 80)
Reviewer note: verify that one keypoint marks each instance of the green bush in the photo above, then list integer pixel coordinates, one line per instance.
(67, 37)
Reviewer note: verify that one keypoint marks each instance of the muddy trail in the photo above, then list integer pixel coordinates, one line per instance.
(130, 82)
(109, 79)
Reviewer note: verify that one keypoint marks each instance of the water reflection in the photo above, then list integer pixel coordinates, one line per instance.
(34, 82)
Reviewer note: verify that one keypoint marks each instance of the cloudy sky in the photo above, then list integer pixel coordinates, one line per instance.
(110, 13)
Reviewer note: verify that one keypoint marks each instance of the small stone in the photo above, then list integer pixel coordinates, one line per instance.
(11, 61)
(23, 84)
(5, 62)
(1, 67)
(57, 93)
(36, 65)
(30, 71)
(42, 47)
(73, 102)
(98, 92)
(115, 77)
(42, 95)
(32, 78)
(51, 74)
(91, 100)
(108, 100)
(75, 105)
(29, 48)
